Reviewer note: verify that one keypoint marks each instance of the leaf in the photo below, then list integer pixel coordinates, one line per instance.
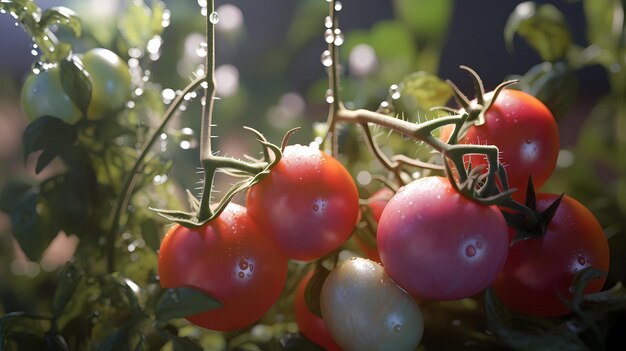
(62, 16)
(426, 18)
(151, 232)
(55, 342)
(158, 11)
(543, 27)
(11, 191)
(527, 333)
(313, 290)
(69, 278)
(420, 91)
(184, 344)
(136, 24)
(76, 83)
(183, 302)
(119, 339)
(32, 226)
(50, 134)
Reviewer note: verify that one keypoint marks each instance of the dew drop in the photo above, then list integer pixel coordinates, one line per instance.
(394, 91)
(315, 207)
(243, 264)
(397, 328)
(581, 260)
(470, 251)
(339, 38)
(202, 50)
(529, 141)
(328, 22)
(329, 96)
(338, 6)
(242, 275)
(214, 17)
(479, 244)
(327, 59)
(329, 36)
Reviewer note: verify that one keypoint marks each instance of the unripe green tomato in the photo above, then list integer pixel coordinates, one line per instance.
(110, 81)
(365, 310)
(43, 95)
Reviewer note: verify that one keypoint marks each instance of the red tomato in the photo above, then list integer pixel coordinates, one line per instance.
(526, 134)
(437, 244)
(310, 325)
(308, 203)
(376, 205)
(230, 260)
(538, 270)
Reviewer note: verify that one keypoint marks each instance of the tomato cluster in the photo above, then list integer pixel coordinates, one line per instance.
(433, 241)
(43, 93)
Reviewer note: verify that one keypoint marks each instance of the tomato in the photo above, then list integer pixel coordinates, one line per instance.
(437, 244)
(538, 270)
(376, 204)
(228, 259)
(310, 325)
(308, 203)
(43, 95)
(365, 310)
(110, 81)
(526, 134)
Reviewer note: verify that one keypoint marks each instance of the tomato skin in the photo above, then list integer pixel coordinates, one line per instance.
(310, 325)
(538, 269)
(376, 205)
(42, 95)
(230, 260)
(365, 310)
(526, 134)
(308, 203)
(437, 244)
(110, 81)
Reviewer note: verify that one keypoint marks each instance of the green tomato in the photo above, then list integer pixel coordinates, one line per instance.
(110, 81)
(43, 95)
(365, 310)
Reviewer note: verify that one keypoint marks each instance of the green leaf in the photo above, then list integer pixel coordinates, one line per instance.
(426, 18)
(182, 302)
(151, 232)
(32, 226)
(62, 16)
(55, 342)
(184, 343)
(11, 191)
(136, 24)
(600, 18)
(543, 27)
(313, 290)
(76, 83)
(69, 278)
(527, 333)
(119, 339)
(158, 11)
(421, 91)
(50, 134)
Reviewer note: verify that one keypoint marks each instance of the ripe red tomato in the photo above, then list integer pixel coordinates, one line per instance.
(230, 260)
(308, 203)
(437, 244)
(526, 134)
(537, 270)
(376, 205)
(310, 325)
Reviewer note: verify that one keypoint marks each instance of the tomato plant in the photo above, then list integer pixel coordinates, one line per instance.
(309, 324)
(43, 95)
(375, 204)
(525, 133)
(438, 244)
(110, 81)
(366, 310)
(308, 204)
(230, 260)
(539, 272)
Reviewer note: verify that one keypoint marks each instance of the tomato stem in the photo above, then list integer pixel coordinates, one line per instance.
(333, 81)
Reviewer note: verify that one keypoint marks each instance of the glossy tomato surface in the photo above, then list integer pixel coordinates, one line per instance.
(308, 203)
(526, 134)
(231, 261)
(310, 325)
(43, 95)
(437, 244)
(365, 310)
(537, 270)
(110, 81)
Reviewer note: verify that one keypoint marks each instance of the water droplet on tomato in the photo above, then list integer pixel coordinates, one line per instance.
(470, 251)
(581, 260)
(243, 264)
(316, 207)
(479, 244)
(397, 328)
(242, 275)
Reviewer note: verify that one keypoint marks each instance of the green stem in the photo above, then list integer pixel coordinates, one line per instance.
(126, 189)
(333, 83)
(209, 92)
